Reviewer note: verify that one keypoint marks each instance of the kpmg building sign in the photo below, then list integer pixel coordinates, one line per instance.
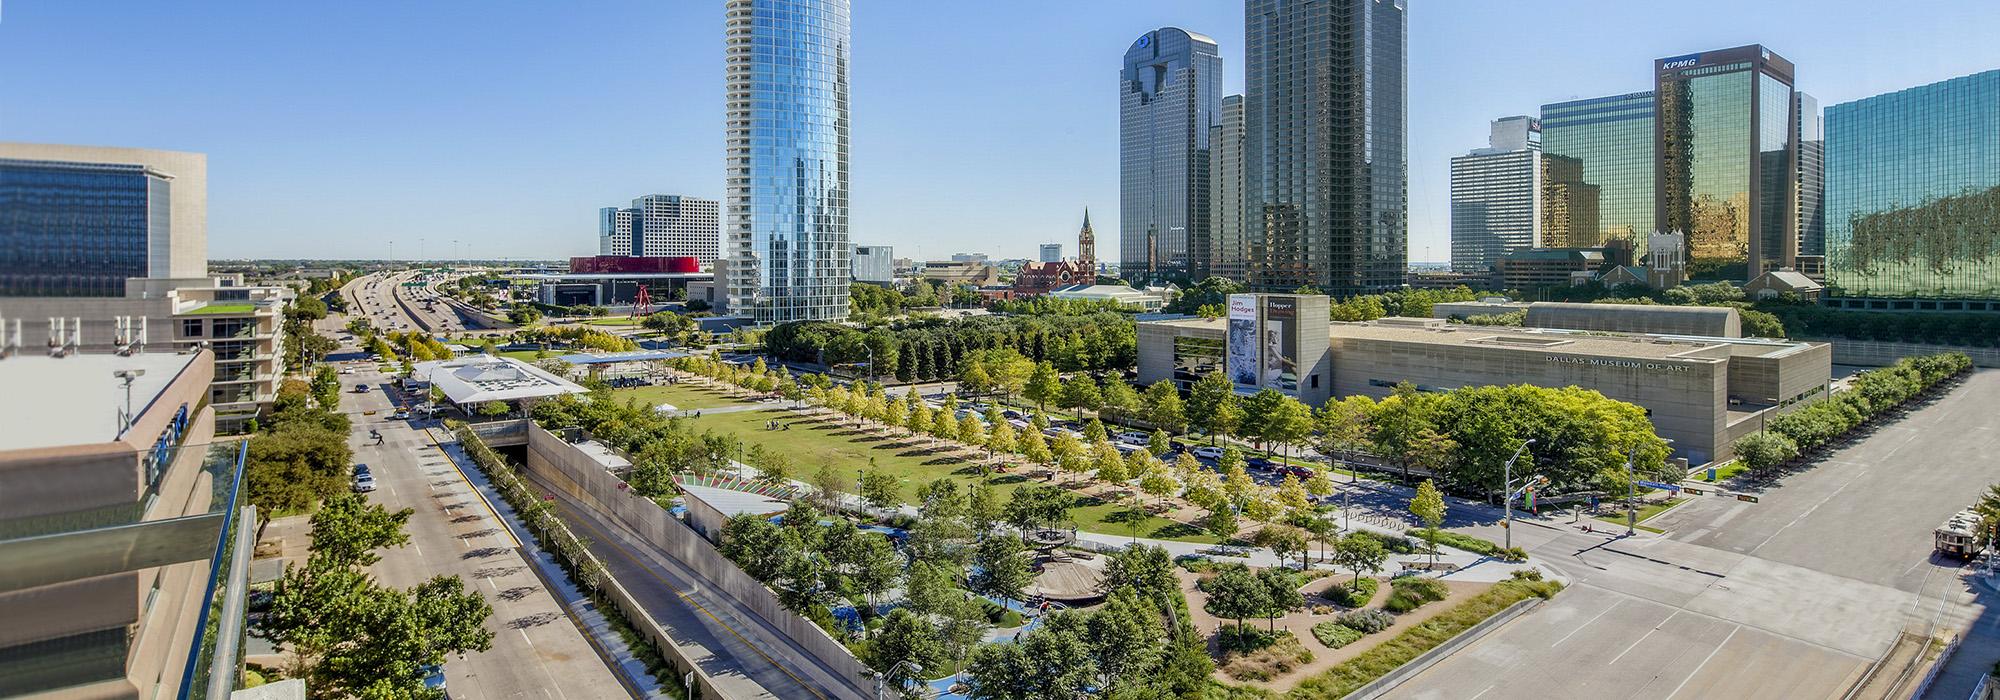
(1679, 62)
(1623, 364)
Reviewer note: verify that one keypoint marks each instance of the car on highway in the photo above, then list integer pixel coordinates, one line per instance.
(361, 388)
(1207, 452)
(362, 470)
(364, 483)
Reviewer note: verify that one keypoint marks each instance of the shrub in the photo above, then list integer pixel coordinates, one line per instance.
(1282, 655)
(1245, 638)
(1335, 635)
(1462, 541)
(1217, 568)
(1366, 621)
(1343, 593)
(1395, 545)
(1195, 563)
(1527, 575)
(1410, 593)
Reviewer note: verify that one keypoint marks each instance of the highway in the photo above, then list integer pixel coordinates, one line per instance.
(537, 651)
(383, 299)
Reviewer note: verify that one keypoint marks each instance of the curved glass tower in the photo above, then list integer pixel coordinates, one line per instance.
(787, 140)
(1170, 95)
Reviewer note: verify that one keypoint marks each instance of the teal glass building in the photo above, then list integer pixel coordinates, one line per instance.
(1913, 192)
(1169, 98)
(79, 229)
(1613, 138)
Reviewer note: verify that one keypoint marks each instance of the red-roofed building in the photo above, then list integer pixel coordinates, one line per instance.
(1037, 278)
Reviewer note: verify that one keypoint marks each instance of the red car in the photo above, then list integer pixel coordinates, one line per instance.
(1298, 471)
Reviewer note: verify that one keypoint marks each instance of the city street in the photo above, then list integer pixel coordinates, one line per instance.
(537, 650)
(1816, 580)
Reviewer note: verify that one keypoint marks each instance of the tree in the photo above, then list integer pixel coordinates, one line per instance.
(1290, 423)
(1284, 542)
(1050, 662)
(1145, 569)
(972, 431)
(1428, 506)
(1343, 426)
(1205, 400)
(880, 489)
(1043, 386)
(1164, 409)
(1034, 507)
(1080, 393)
(1159, 443)
(1281, 591)
(905, 636)
(493, 409)
(1003, 569)
(827, 484)
(930, 589)
(1110, 467)
(1764, 450)
(1157, 483)
(1358, 552)
(874, 566)
(1123, 637)
(974, 378)
(1120, 400)
(347, 528)
(1236, 594)
(1221, 522)
(1036, 448)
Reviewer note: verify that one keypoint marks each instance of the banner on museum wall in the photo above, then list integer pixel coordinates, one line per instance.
(1243, 364)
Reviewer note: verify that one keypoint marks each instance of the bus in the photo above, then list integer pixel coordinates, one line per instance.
(1959, 536)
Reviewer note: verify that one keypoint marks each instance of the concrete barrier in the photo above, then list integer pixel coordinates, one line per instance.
(559, 464)
(1881, 353)
(1411, 668)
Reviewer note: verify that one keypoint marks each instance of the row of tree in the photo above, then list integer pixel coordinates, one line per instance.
(1871, 394)
(932, 349)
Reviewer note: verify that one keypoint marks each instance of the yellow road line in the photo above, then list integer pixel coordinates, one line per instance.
(584, 522)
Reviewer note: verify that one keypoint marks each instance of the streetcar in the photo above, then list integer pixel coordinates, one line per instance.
(1959, 536)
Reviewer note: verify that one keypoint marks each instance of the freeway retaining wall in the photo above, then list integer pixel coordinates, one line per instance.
(1879, 353)
(557, 463)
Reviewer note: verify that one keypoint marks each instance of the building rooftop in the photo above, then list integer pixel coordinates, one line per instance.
(479, 378)
(234, 308)
(75, 400)
(1590, 343)
(731, 503)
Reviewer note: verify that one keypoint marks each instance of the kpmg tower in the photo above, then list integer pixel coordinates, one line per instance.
(1169, 96)
(786, 257)
(1726, 166)
(1326, 189)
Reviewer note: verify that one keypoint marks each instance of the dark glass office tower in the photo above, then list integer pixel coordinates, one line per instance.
(1169, 97)
(1913, 192)
(1726, 166)
(79, 229)
(1326, 188)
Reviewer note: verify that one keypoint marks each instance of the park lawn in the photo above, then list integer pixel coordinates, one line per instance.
(819, 441)
(1734, 468)
(611, 321)
(1646, 512)
(527, 355)
(682, 396)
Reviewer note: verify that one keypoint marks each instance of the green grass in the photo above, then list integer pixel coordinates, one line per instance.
(682, 396)
(610, 321)
(1726, 472)
(1646, 512)
(243, 309)
(813, 443)
(529, 355)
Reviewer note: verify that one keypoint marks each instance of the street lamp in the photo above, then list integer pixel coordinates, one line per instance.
(1507, 490)
(915, 669)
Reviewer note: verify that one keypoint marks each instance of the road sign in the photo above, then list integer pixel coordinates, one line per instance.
(1658, 485)
(1746, 498)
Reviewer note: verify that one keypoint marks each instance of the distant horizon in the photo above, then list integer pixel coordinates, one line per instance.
(332, 132)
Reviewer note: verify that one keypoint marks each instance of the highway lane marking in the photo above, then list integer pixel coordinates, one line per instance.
(1704, 661)
(643, 566)
(1482, 693)
(1586, 623)
(1642, 639)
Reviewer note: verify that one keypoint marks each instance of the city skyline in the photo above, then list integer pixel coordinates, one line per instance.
(497, 112)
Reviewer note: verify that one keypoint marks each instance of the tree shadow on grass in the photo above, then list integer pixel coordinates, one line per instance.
(868, 438)
(940, 461)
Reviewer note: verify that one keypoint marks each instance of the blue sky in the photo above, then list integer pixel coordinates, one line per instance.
(336, 128)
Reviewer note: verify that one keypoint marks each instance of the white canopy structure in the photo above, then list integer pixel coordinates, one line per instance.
(478, 378)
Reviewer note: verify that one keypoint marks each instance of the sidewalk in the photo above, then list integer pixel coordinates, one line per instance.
(581, 609)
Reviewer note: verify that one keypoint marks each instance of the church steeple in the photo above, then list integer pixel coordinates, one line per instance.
(1086, 243)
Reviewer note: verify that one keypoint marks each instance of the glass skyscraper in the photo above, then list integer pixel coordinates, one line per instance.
(1496, 196)
(787, 256)
(1169, 97)
(1913, 192)
(1812, 176)
(1726, 163)
(1326, 187)
(1229, 251)
(1612, 137)
(80, 229)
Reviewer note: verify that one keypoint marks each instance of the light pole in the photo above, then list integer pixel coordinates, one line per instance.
(915, 669)
(1631, 497)
(1507, 490)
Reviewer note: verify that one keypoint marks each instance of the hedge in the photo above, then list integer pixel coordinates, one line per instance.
(1342, 593)
(1335, 635)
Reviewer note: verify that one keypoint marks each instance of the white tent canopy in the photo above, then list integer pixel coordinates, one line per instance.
(478, 379)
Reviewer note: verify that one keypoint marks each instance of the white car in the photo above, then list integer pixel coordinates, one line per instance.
(1133, 438)
(363, 483)
(1207, 452)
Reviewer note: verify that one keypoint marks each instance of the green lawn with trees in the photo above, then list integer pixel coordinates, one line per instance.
(682, 396)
